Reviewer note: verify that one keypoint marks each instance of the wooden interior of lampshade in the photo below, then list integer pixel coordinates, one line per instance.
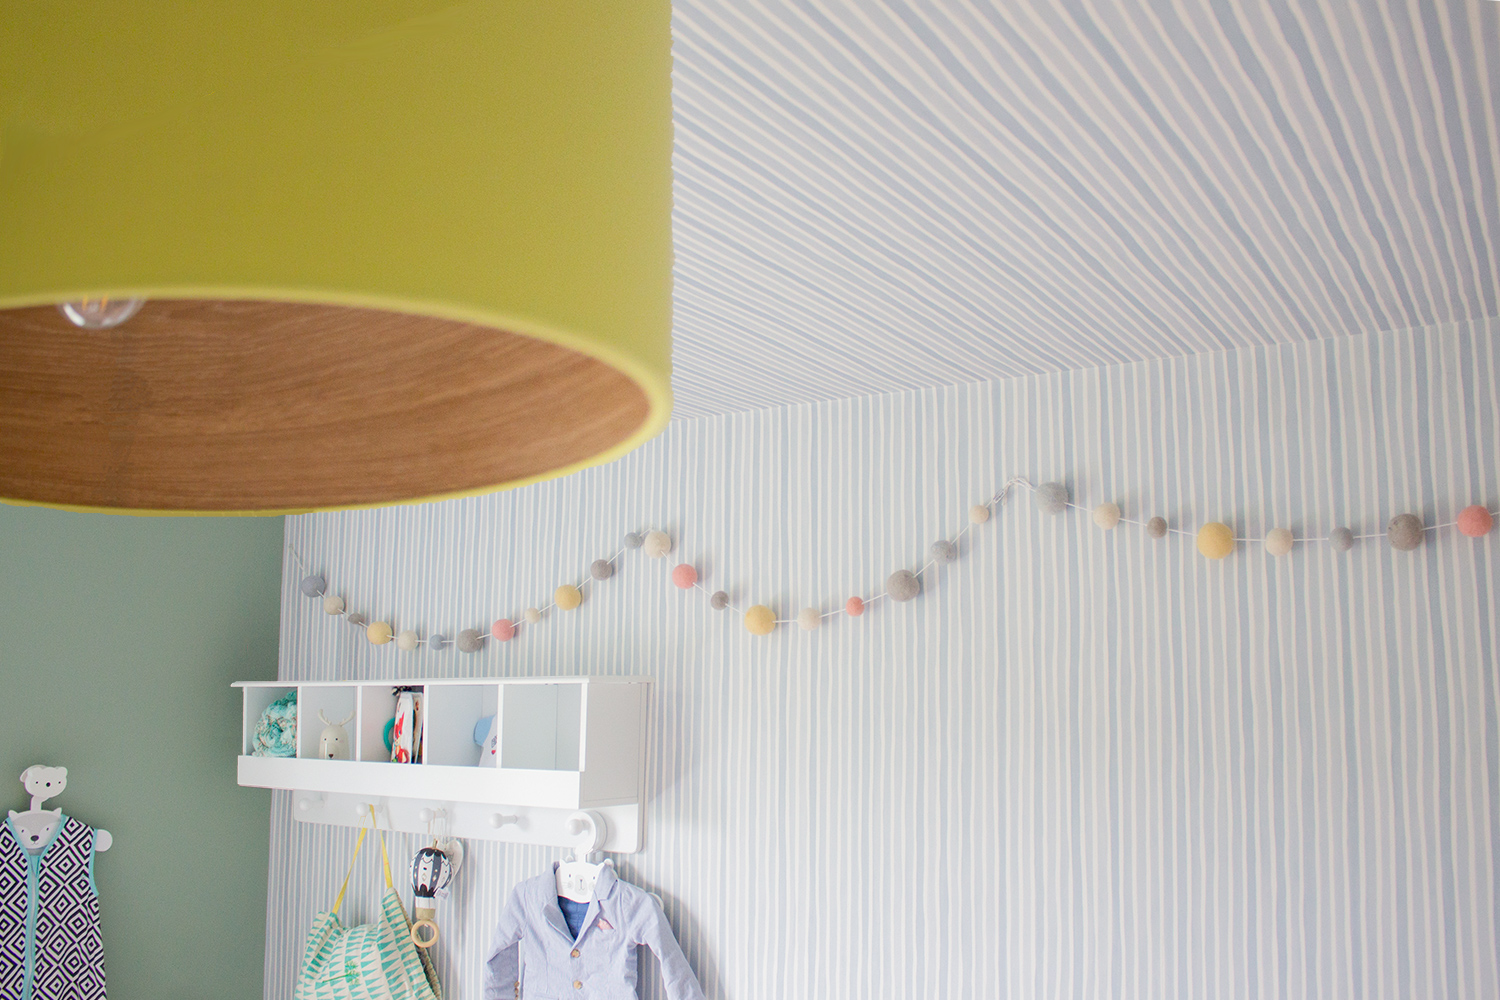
(239, 406)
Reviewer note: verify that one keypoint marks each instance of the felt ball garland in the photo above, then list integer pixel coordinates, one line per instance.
(1214, 540)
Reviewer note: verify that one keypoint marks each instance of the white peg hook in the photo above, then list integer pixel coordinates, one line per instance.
(36, 824)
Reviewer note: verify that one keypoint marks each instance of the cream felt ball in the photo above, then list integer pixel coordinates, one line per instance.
(979, 513)
(312, 586)
(1156, 528)
(854, 607)
(406, 640)
(503, 629)
(533, 615)
(379, 633)
(333, 604)
(943, 551)
(1107, 515)
(1342, 539)
(684, 575)
(719, 601)
(1215, 540)
(657, 544)
(903, 585)
(602, 569)
(809, 619)
(567, 597)
(1052, 498)
(1404, 532)
(469, 640)
(1279, 541)
(759, 620)
(1475, 521)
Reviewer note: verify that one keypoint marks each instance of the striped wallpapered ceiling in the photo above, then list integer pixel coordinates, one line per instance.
(881, 196)
(1081, 763)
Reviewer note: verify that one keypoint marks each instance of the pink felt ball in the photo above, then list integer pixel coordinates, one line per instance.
(504, 629)
(684, 576)
(1475, 521)
(855, 607)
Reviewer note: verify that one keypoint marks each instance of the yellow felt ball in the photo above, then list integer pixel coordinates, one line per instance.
(379, 633)
(759, 620)
(1215, 540)
(568, 597)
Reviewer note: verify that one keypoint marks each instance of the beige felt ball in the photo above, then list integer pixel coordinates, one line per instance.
(1405, 532)
(657, 544)
(333, 604)
(1279, 541)
(1107, 515)
(533, 615)
(1156, 528)
(979, 513)
(567, 597)
(809, 619)
(759, 620)
(379, 633)
(406, 640)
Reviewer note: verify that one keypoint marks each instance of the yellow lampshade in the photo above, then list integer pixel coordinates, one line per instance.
(389, 251)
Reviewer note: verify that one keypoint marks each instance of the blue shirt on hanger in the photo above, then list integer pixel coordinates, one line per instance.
(598, 962)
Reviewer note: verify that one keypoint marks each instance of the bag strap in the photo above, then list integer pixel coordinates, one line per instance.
(385, 857)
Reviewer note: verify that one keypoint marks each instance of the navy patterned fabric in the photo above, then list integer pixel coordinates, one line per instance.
(67, 953)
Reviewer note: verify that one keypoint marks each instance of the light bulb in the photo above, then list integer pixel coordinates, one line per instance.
(100, 314)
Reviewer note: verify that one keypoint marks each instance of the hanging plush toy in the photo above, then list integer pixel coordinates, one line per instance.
(431, 871)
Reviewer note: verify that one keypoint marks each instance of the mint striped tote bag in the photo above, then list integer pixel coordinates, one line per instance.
(370, 962)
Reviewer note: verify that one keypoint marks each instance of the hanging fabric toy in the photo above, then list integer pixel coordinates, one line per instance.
(431, 871)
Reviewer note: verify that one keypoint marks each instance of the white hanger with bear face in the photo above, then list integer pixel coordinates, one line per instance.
(36, 825)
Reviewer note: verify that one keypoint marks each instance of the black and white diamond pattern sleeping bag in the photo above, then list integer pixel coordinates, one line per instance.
(50, 947)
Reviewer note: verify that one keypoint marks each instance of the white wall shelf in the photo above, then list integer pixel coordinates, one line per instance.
(566, 744)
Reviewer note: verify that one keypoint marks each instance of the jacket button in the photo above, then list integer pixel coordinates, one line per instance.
(577, 984)
(575, 952)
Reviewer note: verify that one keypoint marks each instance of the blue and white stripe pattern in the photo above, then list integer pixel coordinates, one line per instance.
(882, 196)
(1082, 763)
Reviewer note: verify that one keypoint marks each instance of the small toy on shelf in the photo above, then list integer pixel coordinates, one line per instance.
(406, 736)
(334, 743)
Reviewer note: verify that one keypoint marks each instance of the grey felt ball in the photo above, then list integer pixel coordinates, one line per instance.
(602, 569)
(943, 551)
(469, 641)
(903, 585)
(633, 540)
(1342, 539)
(436, 641)
(1405, 532)
(719, 601)
(356, 618)
(313, 586)
(1156, 527)
(1052, 498)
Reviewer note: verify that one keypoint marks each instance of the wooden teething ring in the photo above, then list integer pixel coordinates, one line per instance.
(416, 937)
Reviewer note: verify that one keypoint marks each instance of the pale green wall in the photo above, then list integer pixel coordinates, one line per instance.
(119, 637)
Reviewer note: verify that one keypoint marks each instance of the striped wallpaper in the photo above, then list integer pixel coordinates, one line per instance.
(882, 196)
(1081, 763)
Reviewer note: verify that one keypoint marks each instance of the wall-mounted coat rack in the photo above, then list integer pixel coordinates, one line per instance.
(550, 761)
(35, 826)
